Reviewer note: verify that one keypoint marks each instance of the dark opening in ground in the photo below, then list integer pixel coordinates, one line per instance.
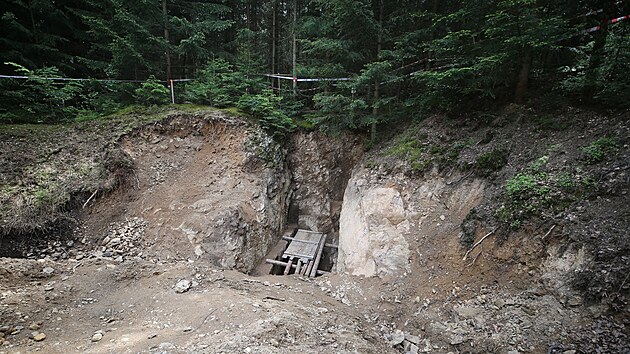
(54, 243)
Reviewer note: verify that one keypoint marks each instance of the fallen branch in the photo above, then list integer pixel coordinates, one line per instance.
(548, 232)
(478, 243)
(273, 298)
(205, 319)
(74, 269)
(90, 198)
(477, 256)
(459, 180)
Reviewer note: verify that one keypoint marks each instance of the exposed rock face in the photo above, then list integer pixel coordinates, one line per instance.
(372, 229)
(222, 192)
(385, 218)
(321, 166)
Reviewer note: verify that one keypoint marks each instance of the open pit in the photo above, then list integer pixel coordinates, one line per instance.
(173, 258)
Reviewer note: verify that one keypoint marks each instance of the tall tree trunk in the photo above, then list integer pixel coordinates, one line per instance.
(294, 47)
(595, 61)
(167, 39)
(33, 28)
(377, 84)
(523, 76)
(273, 42)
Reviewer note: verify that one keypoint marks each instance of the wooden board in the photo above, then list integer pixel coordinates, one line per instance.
(304, 245)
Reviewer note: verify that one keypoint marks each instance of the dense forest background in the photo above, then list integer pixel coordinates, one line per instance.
(402, 58)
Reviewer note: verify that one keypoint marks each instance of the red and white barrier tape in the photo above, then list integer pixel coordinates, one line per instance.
(82, 79)
(613, 21)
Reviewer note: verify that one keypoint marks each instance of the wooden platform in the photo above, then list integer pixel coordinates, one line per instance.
(304, 245)
(303, 253)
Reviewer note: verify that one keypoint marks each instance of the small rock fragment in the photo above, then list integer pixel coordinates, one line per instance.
(413, 339)
(97, 337)
(48, 270)
(38, 337)
(397, 338)
(182, 286)
(413, 349)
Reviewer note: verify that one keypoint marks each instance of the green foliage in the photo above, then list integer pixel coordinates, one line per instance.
(338, 112)
(264, 107)
(536, 192)
(491, 161)
(36, 99)
(607, 82)
(410, 148)
(219, 85)
(598, 150)
(482, 47)
(539, 164)
(152, 92)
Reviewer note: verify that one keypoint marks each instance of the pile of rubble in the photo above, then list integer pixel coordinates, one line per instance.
(54, 249)
(123, 240)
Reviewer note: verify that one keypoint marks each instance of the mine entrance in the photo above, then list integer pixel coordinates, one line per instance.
(302, 255)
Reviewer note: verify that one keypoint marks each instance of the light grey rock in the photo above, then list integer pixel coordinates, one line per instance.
(182, 286)
(413, 339)
(397, 338)
(413, 349)
(48, 270)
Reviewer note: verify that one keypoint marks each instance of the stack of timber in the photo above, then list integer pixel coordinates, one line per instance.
(303, 253)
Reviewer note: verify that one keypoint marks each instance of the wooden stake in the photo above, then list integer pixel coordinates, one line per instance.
(548, 232)
(313, 272)
(288, 267)
(298, 268)
(90, 198)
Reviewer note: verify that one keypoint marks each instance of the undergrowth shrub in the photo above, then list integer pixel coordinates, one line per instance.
(219, 85)
(37, 100)
(598, 150)
(537, 192)
(264, 107)
(491, 161)
(152, 92)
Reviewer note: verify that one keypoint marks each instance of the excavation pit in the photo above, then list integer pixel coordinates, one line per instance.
(302, 254)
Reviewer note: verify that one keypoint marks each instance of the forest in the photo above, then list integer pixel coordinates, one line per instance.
(338, 64)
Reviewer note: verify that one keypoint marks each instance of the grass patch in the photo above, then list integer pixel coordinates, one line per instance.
(536, 192)
(45, 169)
(410, 148)
(599, 149)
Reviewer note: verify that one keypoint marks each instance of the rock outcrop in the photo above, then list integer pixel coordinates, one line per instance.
(219, 192)
(321, 166)
(385, 218)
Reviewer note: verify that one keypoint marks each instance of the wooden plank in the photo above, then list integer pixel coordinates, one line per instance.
(287, 238)
(284, 264)
(293, 239)
(307, 273)
(298, 268)
(288, 267)
(304, 245)
(313, 272)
